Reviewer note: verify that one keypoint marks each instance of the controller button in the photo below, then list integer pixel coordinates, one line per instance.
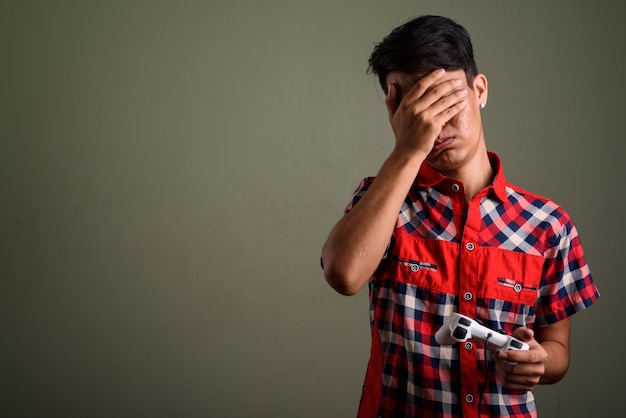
(469, 246)
(459, 333)
(468, 346)
(469, 398)
(516, 344)
(465, 321)
(468, 296)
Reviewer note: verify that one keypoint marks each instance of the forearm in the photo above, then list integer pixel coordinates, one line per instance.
(357, 243)
(554, 339)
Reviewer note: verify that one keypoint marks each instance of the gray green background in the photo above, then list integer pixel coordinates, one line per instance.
(169, 171)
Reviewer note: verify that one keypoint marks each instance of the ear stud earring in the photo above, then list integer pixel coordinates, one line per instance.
(482, 105)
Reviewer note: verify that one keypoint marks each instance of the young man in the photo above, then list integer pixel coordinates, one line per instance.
(439, 230)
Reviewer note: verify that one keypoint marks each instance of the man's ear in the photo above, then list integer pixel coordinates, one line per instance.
(481, 89)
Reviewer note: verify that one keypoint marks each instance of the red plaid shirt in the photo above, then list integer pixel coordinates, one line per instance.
(509, 258)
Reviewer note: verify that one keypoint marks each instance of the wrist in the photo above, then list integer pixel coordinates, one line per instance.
(410, 159)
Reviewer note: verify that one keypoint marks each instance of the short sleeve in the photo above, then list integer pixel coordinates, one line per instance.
(567, 285)
(359, 193)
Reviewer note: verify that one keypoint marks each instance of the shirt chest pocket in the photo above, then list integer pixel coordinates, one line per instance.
(425, 263)
(512, 276)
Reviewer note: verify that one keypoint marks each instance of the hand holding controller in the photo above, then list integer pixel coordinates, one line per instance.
(460, 328)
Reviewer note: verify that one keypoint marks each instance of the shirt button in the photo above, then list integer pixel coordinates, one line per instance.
(468, 346)
(468, 296)
(469, 398)
(517, 287)
(455, 187)
(415, 267)
(469, 246)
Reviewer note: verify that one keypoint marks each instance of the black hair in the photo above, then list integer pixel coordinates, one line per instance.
(422, 45)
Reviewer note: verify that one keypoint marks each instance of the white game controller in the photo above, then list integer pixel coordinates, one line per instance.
(459, 328)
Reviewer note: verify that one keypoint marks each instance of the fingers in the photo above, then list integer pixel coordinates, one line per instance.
(524, 334)
(429, 80)
(522, 376)
(533, 355)
(431, 89)
(522, 369)
(448, 106)
(520, 383)
(425, 83)
(432, 100)
(436, 92)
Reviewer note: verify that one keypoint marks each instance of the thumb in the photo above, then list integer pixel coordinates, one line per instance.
(524, 334)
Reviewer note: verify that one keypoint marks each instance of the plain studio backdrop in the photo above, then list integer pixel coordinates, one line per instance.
(169, 171)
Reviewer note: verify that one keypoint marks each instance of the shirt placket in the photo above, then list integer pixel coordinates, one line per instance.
(468, 288)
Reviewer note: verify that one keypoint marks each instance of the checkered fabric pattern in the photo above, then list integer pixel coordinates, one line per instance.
(508, 257)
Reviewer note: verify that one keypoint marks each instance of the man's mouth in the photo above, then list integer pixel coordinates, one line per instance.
(441, 143)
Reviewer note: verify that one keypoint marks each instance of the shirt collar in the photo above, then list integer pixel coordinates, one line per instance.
(429, 177)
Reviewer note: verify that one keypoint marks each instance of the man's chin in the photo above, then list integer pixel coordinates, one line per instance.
(444, 161)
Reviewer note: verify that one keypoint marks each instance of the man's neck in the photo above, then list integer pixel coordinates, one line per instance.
(475, 176)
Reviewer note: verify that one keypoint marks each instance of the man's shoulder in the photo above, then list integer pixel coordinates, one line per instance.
(513, 189)
(537, 204)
